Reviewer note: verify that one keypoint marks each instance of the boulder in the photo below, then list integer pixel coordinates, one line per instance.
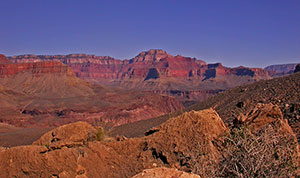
(68, 135)
(184, 142)
(263, 115)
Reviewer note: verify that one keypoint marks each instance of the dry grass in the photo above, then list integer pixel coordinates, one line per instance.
(265, 154)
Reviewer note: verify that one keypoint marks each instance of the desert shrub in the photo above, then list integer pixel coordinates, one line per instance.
(101, 134)
(265, 154)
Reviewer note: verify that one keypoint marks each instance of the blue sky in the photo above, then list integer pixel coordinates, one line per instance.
(234, 32)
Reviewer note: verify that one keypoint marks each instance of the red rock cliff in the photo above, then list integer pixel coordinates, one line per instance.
(154, 70)
(7, 68)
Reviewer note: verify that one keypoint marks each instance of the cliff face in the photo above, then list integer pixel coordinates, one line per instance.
(3, 59)
(35, 68)
(141, 66)
(280, 69)
(47, 93)
(155, 71)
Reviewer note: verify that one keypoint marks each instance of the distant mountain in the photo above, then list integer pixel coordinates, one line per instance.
(183, 77)
(48, 93)
(280, 69)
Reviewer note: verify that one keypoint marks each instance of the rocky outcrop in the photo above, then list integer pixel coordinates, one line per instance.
(150, 56)
(264, 138)
(263, 115)
(164, 173)
(37, 68)
(179, 143)
(187, 142)
(69, 135)
(191, 142)
(280, 91)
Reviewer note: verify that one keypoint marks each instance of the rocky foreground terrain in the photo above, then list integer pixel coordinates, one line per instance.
(196, 141)
(186, 78)
(48, 94)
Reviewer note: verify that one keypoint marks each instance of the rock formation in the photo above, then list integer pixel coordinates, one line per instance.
(47, 94)
(230, 104)
(190, 142)
(183, 77)
(65, 153)
(68, 135)
(280, 69)
(282, 91)
(3, 59)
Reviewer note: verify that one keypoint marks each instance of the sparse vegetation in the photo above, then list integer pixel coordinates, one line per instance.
(101, 134)
(265, 154)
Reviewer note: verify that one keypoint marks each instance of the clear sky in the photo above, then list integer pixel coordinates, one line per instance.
(234, 32)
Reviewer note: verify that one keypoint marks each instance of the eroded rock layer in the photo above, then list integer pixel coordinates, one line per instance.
(48, 93)
(156, 71)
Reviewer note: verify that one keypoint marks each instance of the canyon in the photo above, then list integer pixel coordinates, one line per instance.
(74, 118)
(48, 94)
(186, 78)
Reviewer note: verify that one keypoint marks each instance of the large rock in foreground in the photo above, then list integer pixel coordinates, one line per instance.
(75, 134)
(191, 142)
(64, 153)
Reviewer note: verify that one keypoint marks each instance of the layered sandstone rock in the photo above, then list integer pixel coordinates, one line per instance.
(280, 69)
(150, 56)
(35, 68)
(155, 70)
(47, 94)
(3, 59)
(91, 66)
